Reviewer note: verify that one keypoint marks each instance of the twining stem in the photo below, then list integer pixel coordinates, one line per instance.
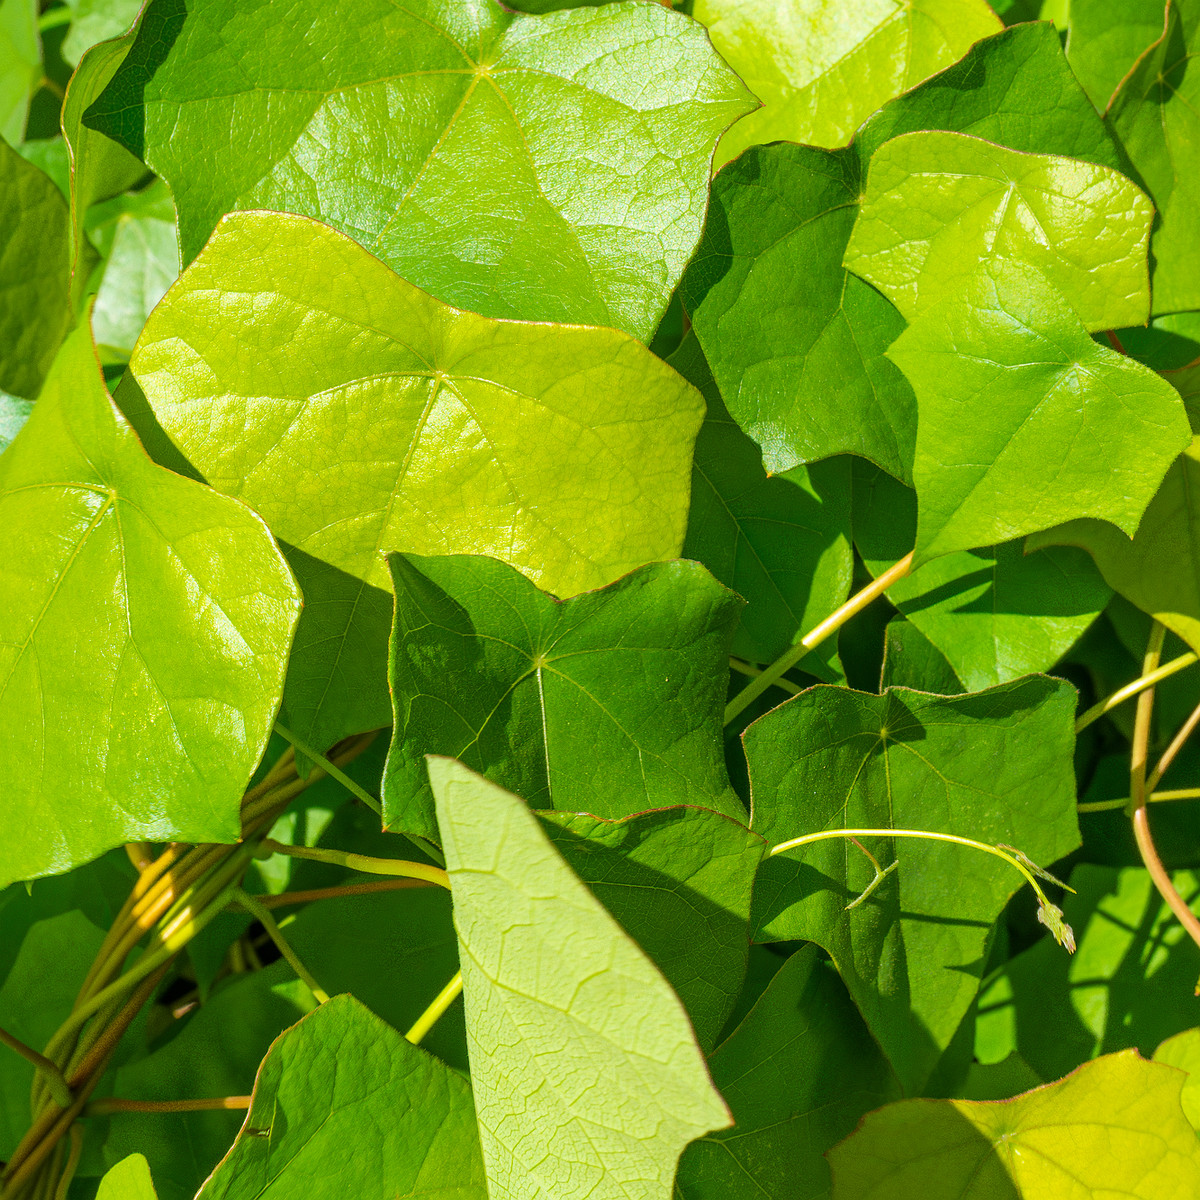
(1171, 752)
(810, 641)
(109, 1105)
(442, 1001)
(140, 854)
(330, 768)
(284, 899)
(1146, 680)
(55, 1080)
(742, 667)
(361, 862)
(69, 1167)
(1151, 798)
(268, 922)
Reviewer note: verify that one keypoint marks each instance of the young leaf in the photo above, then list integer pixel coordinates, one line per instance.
(35, 274)
(1113, 1127)
(938, 205)
(781, 542)
(679, 881)
(1156, 114)
(608, 703)
(994, 766)
(1159, 570)
(822, 69)
(544, 168)
(344, 1106)
(128, 1180)
(798, 1073)
(1027, 422)
(588, 1080)
(362, 415)
(144, 628)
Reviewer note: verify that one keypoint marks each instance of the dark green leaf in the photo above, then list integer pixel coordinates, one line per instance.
(911, 660)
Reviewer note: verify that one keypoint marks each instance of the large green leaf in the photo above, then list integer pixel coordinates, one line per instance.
(679, 881)
(128, 1180)
(798, 1072)
(780, 541)
(1130, 983)
(1156, 114)
(1159, 570)
(821, 69)
(144, 630)
(35, 274)
(547, 168)
(216, 1053)
(795, 343)
(344, 1106)
(937, 205)
(1183, 1051)
(588, 1080)
(994, 766)
(1026, 422)
(996, 613)
(358, 414)
(1106, 37)
(608, 703)
(1113, 1128)
(20, 66)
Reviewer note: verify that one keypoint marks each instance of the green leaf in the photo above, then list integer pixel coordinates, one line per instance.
(14, 412)
(798, 1073)
(1183, 1051)
(36, 997)
(994, 766)
(20, 66)
(1156, 115)
(795, 343)
(1026, 422)
(1106, 37)
(822, 69)
(588, 1081)
(216, 1053)
(35, 274)
(398, 422)
(1130, 983)
(96, 21)
(145, 627)
(128, 1180)
(344, 1106)
(608, 703)
(937, 205)
(100, 167)
(911, 660)
(545, 168)
(781, 542)
(1114, 1127)
(679, 882)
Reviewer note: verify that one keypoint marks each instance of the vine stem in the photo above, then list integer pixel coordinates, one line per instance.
(1145, 681)
(1171, 752)
(268, 922)
(56, 1081)
(442, 1001)
(283, 899)
(810, 641)
(742, 667)
(330, 768)
(1139, 812)
(1151, 798)
(113, 1104)
(361, 862)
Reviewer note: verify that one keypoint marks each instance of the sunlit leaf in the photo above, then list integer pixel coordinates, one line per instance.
(128, 1180)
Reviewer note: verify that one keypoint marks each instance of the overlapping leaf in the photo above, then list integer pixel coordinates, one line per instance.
(1156, 114)
(1048, 1142)
(798, 1072)
(994, 766)
(128, 1180)
(588, 1080)
(1026, 422)
(144, 630)
(938, 205)
(344, 1106)
(822, 69)
(608, 703)
(1106, 37)
(20, 65)
(544, 168)
(1183, 1051)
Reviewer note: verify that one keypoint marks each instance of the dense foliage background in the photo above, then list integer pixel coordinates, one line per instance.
(599, 601)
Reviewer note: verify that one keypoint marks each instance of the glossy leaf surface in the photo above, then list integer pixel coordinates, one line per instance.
(994, 766)
(588, 1081)
(145, 629)
(1045, 1143)
(938, 205)
(821, 69)
(535, 693)
(343, 1105)
(357, 414)
(542, 168)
